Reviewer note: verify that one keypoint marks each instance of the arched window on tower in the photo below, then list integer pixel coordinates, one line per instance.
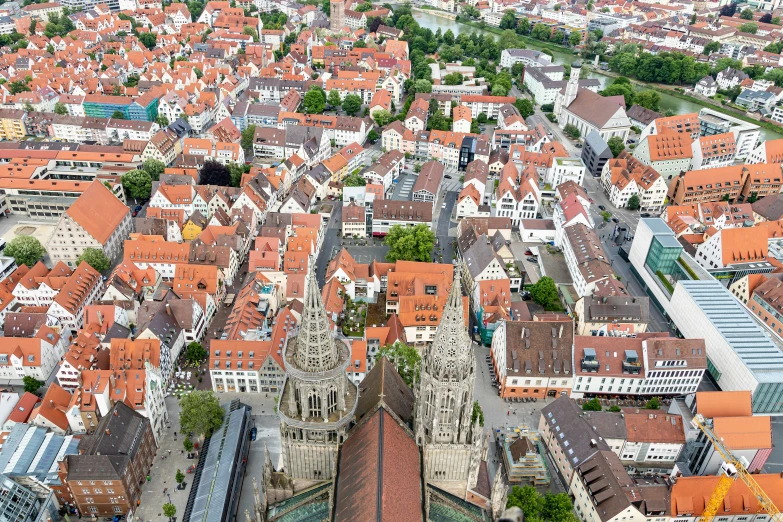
(314, 403)
(446, 409)
(331, 400)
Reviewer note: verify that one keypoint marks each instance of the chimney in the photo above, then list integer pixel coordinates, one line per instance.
(116, 414)
(100, 318)
(108, 432)
(51, 403)
(168, 308)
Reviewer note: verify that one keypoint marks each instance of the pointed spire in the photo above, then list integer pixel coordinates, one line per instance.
(315, 348)
(450, 349)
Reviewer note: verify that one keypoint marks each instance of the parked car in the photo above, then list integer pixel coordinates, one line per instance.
(447, 176)
(253, 433)
(645, 215)
(578, 145)
(528, 252)
(138, 208)
(532, 259)
(601, 207)
(615, 220)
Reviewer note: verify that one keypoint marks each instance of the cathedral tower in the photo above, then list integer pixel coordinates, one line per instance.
(453, 444)
(563, 100)
(336, 15)
(318, 400)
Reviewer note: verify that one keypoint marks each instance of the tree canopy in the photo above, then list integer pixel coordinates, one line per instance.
(214, 173)
(352, 104)
(31, 384)
(537, 508)
(137, 184)
(195, 353)
(26, 250)
(410, 243)
(247, 137)
(544, 292)
(314, 101)
(200, 413)
(616, 145)
(406, 360)
(154, 168)
(95, 258)
(382, 117)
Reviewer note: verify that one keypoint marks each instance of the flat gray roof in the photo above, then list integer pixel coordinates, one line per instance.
(740, 330)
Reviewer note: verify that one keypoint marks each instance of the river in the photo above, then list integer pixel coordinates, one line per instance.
(668, 102)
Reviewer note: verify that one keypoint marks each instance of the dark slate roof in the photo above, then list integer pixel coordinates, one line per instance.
(383, 385)
(479, 256)
(642, 114)
(379, 473)
(118, 433)
(580, 440)
(769, 207)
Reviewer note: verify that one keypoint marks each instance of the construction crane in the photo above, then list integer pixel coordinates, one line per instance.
(733, 469)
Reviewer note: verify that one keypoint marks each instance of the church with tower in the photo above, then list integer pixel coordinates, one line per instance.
(379, 450)
(587, 110)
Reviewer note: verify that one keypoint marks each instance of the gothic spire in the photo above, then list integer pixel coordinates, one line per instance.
(315, 348)
(451, 341)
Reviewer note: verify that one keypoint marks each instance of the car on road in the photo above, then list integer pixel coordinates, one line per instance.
(615, 220)
(578, 145)
(528, 252)
(601, 207)
(253, 433)
(532, 259)
(138, 208)
(645, 215)
(447, 176)
(443, 206)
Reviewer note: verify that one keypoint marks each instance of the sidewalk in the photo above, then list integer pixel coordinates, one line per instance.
(163, 472)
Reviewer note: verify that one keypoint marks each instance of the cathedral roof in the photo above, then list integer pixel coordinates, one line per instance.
(384, 386)
(379, 473)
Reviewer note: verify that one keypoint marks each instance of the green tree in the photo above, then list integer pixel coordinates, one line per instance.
(454, 78)
(31, 384)
(26, 250)
(334, 98)
(653, 404)
(747, 14)
(200, 413)
(437, 122)
(509, 20)
(541, 32)
(508, 39)
(633, 202)
(247, 137)
(557, 508)
(149, 40)
(712, 47)
(382, 117)
(749, 27)
(187, 444)
(606, 215)
(314, 101)
(195, 353)
(17, 87)
(162, 121)
(179, 476)
(406, 360)
(477, 414)
(525, 107)
(527, 499)
(373, 136)
(544, 292)
(118, 115)
(354, 180)
(409, 243)
(648, 99)
(137, 184)
(572, 131)
(352, 104)
(616, 145)
(60, 108)
(95, 258)
(614, 408)
(154, 168)
(482, 118)
(574, 38)
(250, 31)
(169, 510)
(592, 405)
(423, 86)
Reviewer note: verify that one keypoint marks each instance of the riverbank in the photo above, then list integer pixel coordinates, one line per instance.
(670, 91)
(435, 12)
(531, 43)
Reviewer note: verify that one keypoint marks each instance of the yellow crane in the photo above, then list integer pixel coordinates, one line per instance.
(733, 470)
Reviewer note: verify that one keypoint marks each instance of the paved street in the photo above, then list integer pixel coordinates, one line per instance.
(774, 463)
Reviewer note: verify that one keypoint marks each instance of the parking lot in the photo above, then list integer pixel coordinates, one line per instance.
(403, 189)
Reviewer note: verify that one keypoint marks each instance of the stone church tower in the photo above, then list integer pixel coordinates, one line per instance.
(453, 446)
(318, 400)
(563, 100)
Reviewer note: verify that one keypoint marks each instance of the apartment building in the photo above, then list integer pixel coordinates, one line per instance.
(624, 177)
(617, 316)
(12, 124)
(98, 220)
(83, 287)
(105, 478)
(388, 213)
(428, 182)
(247, 366)
(588, 263)
(668, 152)
(35, 356)
(648, 364)
(533, 358)
(732, 183)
